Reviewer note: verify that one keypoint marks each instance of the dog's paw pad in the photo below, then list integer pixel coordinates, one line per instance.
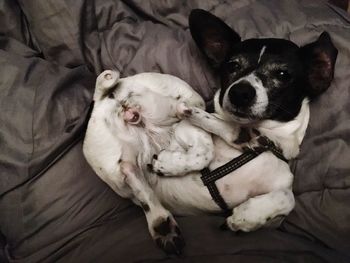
(168, 236)
(164, 227)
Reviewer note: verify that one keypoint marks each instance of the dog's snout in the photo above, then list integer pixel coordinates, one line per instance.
(242, 94)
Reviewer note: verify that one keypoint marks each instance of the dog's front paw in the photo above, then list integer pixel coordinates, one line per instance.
(246, 224)
(154, 167)
(167, 235)
(158, 168)
(244, 219)
(235, 224)
(161, 164)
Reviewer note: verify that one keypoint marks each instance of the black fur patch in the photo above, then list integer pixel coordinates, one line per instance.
(179, 244)
(160, 174)
(256, 132)
(145, 207)
(177, 230)
(244, 136)
(111, 95)
(163, 228)
(149, 167)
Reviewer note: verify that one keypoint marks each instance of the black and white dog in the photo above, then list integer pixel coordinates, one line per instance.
(266, 84)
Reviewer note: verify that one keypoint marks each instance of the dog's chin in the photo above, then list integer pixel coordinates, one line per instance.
(240, 117)
(242, 120)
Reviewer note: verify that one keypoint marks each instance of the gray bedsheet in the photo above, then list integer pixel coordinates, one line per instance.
(52, 206)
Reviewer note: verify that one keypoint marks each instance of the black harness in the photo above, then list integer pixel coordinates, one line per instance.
(210, 177)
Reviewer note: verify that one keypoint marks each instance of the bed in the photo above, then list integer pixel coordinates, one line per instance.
(53, 208)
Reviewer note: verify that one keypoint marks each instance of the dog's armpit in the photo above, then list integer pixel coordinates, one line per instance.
(243, 136)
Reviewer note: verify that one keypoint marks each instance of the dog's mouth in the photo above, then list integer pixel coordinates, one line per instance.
(243, 117)
(132, 115)
(240, 114)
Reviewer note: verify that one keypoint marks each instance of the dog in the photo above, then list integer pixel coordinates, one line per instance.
(138, 117)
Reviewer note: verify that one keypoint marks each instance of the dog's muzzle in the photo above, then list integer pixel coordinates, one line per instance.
(242, 95)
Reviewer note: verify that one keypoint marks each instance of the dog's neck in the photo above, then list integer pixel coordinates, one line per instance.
(288, 135)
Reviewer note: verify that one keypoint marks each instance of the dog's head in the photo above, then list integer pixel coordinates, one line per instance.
(262, 78)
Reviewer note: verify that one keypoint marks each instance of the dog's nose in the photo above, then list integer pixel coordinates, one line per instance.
(242, 94)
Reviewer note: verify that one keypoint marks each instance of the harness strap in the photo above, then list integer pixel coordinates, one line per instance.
(210, 177)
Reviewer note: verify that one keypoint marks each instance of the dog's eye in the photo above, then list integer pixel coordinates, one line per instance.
(233, 66)
(282, 75)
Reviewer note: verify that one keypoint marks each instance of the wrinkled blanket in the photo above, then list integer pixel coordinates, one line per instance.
(53, 208)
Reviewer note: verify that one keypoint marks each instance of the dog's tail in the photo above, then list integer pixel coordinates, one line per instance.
(104, 83)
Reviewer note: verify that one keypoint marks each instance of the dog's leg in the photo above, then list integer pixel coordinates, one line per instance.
(161, 224)
(229, 132)
(260, 210)
(194, 151)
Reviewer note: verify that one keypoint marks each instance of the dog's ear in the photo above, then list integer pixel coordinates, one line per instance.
(213, 37)
(105, 84)
(319, 59)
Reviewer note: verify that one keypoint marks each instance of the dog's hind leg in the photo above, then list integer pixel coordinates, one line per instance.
(161, 224)
(191, 150)
(260, 210)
